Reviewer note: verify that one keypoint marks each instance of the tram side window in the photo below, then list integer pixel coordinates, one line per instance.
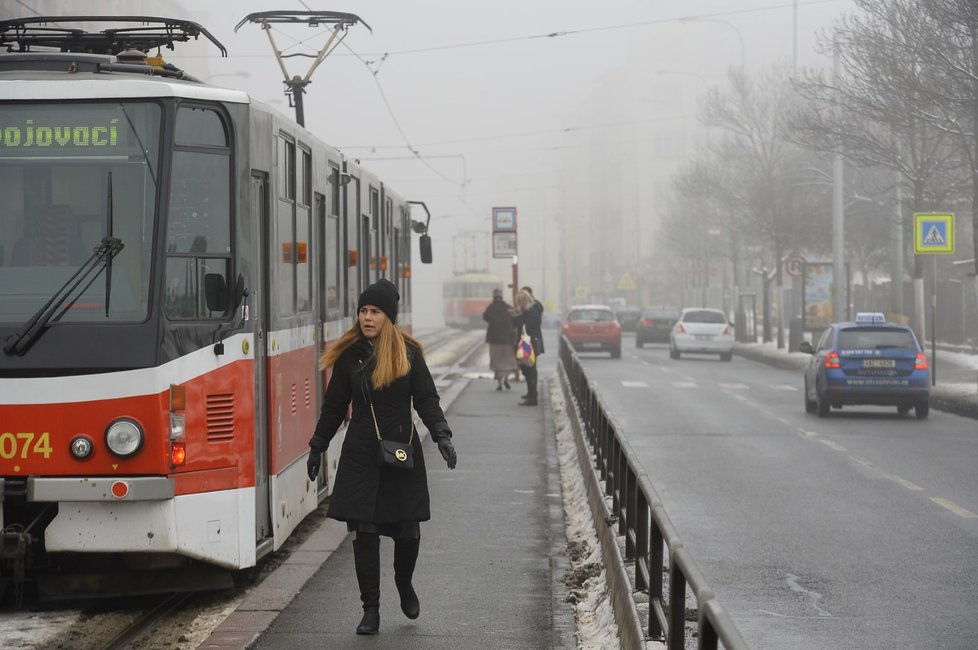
(198, 232)
(332, 260)
(376, 248)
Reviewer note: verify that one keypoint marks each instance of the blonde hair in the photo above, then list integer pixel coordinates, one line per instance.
(524, 300)
(389, 351)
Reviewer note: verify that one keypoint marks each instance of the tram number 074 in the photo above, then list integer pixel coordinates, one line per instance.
(13, 445)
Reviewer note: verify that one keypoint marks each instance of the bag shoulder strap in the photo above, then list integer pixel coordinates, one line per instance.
(373, 413)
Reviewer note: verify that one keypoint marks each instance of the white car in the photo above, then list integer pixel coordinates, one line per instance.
(701, 330)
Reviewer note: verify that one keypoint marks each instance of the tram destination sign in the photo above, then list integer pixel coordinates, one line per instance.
(34, 130)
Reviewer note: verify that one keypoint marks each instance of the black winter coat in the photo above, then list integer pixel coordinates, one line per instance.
(500, 329)
(532, 319)
(363, 491)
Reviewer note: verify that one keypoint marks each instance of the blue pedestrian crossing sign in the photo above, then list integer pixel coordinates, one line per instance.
(933, 233)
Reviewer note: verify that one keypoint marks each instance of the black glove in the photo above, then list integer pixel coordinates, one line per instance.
(447, 450)
(313, 464)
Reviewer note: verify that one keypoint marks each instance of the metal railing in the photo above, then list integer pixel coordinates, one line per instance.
(642, 519)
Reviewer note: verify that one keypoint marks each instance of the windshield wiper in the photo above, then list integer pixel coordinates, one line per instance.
(18, 343)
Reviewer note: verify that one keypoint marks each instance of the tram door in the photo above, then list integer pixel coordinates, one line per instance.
(259, 199)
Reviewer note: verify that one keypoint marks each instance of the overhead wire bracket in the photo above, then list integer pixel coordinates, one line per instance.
(295, 85)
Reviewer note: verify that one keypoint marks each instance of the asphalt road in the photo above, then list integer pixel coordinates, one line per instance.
(854, 531)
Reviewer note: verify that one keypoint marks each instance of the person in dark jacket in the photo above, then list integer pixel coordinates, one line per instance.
(529, 314)
(381, 370)
(499, 336)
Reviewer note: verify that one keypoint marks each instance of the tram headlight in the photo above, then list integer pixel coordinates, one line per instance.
(124, 437)
(82, 447)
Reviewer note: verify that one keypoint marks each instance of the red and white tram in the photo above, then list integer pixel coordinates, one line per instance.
(466, 296)
(157, 395)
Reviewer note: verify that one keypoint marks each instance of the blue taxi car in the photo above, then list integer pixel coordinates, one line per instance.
(867, 361)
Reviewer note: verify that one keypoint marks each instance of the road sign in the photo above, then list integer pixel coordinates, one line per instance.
(504, 219)
(503, 244)
(794, 266)
(625, 282)
(582, 292)
(933, 233)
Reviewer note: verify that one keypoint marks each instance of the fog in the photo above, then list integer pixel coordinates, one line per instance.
(549, 106)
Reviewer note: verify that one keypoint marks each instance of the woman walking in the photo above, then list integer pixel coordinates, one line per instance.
(380, 369)
(499, 336)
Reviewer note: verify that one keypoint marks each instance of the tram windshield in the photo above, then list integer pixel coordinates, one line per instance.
(56, 162)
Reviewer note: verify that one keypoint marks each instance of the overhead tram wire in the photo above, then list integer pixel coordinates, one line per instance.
(568, 32)
(568, 129)
(383, 96)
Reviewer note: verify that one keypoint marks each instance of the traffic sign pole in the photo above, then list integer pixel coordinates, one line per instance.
(933, 234)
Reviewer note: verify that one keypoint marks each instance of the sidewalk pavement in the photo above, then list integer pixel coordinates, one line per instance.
(956, 390)
(490, 560)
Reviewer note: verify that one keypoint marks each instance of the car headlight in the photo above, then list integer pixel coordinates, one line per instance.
(124, 437)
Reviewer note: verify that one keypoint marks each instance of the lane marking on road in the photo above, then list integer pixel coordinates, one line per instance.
(742, 398)
(784, 387)
(808, 434)
(813, 596)
(832, 445)
(735, 386)
(685, 384)
(904, 482)
(863, 462)
(634, 384)
(785, 421)
(953, 507)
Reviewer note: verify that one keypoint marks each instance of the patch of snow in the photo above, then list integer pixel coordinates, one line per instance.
(595, 618)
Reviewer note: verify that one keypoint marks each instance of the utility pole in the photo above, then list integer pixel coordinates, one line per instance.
(838, 209)
(295, 86)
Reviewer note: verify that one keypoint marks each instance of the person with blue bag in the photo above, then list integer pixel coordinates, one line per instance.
(381, 486)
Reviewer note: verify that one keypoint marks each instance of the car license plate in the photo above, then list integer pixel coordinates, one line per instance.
(704, 337)
(591, 344)
(879, 363)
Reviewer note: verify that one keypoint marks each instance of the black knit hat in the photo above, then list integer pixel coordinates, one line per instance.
(383, 295)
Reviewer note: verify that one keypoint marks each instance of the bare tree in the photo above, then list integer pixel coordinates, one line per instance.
(878, 115)
(753, 110)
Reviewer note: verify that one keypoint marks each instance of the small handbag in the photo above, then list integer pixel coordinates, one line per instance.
(391, 453)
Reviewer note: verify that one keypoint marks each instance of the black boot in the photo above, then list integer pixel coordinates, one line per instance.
(405, 558)
(366, 558)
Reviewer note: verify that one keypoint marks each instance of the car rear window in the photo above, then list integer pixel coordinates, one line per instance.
(876, 338)
(590, 314)
(662, 314)
(704, 316)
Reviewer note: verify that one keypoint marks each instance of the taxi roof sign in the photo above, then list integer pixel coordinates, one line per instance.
(870, 317)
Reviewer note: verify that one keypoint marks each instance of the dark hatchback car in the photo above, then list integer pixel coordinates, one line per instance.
(628, 317)
(655, 325)
(868, 361)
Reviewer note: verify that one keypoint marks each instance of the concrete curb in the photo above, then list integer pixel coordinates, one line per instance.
(630, 630)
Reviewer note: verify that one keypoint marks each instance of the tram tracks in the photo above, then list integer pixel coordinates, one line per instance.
(136, 631)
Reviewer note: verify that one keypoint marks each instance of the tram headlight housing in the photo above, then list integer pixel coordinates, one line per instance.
(81, 447)
(124, 437)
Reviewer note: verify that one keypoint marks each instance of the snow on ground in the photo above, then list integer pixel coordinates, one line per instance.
(596, 627)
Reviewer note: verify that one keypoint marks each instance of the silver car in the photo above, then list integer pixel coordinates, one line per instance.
(701, 330)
